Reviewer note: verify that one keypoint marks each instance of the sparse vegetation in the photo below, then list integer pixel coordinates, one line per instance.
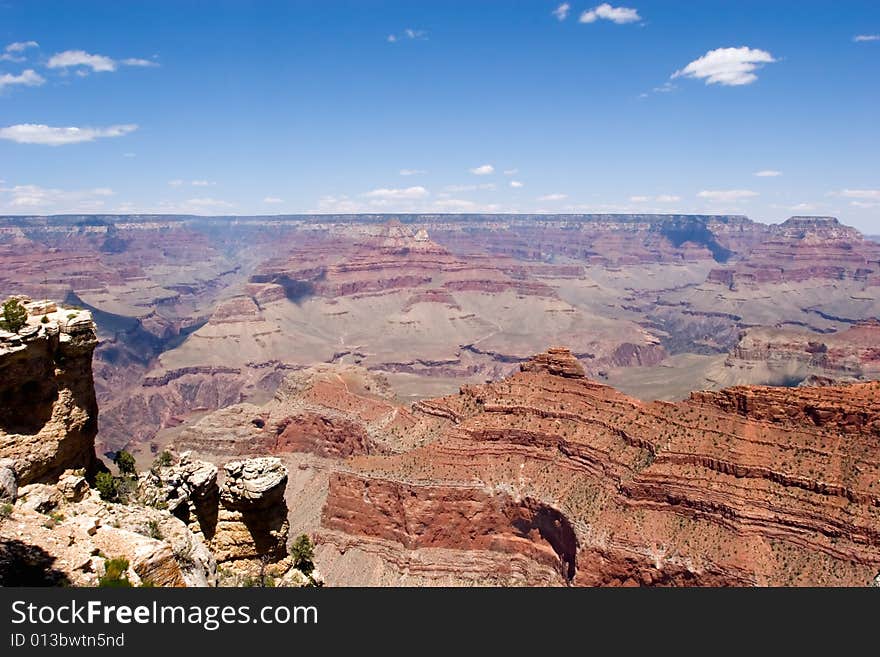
(14, 316)
(302, 553)
(164, 460)
(125, 462)
(153, 530)
(109, 487)
(115, 575)
(5, 510)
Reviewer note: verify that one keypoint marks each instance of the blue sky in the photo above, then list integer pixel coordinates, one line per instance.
(456, 106)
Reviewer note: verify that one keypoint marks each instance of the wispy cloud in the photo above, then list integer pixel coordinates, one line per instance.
(561, 12)
(662, 198)
(861, 38)
(202, 183)
(137, 61)
(408, 34)
(36, 198)
(97, 63)
(470, 188)
(727, 195)
(12, 52)
(730, 67)
(516, 184)
(483, 170)
(553, 197)
(34, 133)
(605, 11)
(272, 200)
(408, 193)
(412, 172)
(511, 172)
(768, 173)
(870, 194)
(27, 78)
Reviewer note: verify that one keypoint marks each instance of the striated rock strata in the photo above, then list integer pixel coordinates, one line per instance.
(549, 478)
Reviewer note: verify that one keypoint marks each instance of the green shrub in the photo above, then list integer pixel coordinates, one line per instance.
(5, 510)
(125, 462)
(164, 459)
(302, 553)
(108, 486)
(153, 530)
(14, 315)
(114, 574)
(45, 319)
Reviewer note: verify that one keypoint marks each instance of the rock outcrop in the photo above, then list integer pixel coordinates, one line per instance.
(243, 521)
(64, 534)
(48, 411)
(548, 478)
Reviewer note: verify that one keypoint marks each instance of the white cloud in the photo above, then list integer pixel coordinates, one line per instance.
(483, 170)
(860, 38)
(665, 88)
(864, 204)
(273, 200)
(871, 194)
(407, 193)
(12, 52)
(21, 46)
(412, 172)
(662, 198)
(175, 183)
(730, 67)
(137, 61)
(27, 78)
(470, 188)
(98, 63)
(129, 155)
(727, 195)
(619, 15)
(511, 172)
(803, 207)
(553, 197)
(408, 33)
(34, 198)
(33, 133)
(561, 12)
(207, 203)
(516, 184)
(202, 183)
(768, 173)
(69, 58)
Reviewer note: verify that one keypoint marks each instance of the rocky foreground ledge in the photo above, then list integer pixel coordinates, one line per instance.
(48, 414)
(65, 520)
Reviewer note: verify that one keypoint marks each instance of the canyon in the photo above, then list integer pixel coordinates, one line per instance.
(384, 385)
(198, 313)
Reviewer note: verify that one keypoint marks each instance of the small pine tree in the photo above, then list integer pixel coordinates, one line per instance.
(108, 486)
(14, 315)
(125, 462)
(303, 554)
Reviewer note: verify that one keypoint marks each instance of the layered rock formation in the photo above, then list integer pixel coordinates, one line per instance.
(804, 248)
(549, 477)
(48, 411)
(790, 357)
